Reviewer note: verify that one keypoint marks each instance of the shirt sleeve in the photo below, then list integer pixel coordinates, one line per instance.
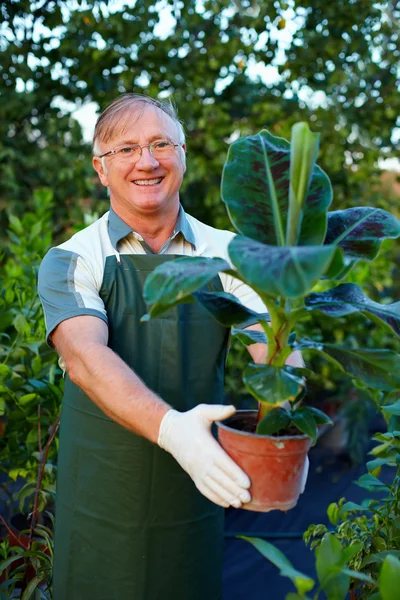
(67, 288)
(248, 297)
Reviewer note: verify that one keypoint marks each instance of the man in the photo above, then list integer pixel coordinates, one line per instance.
(141, 478)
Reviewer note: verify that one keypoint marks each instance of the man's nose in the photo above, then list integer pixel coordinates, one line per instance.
(146, 160)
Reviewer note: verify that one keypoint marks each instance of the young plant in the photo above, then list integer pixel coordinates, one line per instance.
(278, 198)
(373, 527)
(30, 396)
(335, 576)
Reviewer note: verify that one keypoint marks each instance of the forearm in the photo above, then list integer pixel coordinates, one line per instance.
(117, 390)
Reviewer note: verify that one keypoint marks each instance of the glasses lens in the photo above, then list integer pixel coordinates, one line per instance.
(128, 153)
(162, 148)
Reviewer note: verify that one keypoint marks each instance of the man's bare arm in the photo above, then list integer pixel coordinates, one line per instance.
(105, 378)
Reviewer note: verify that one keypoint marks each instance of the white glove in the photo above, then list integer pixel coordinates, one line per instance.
(187, 436)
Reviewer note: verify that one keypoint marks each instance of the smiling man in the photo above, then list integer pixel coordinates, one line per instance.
(141, 480)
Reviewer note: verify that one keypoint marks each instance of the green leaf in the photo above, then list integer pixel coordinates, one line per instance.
(348, 298)
(249, 336)
(175, 281)
(392, 409)
(319, 417)
(225, 308)
(16, 224)
(27, 399)
(360, 230)
(379, 557)
(378, 369)
(255, 189)
(353, 506)
(275, 420)
(279, 271)
(369, 482)
(4, 564)
(351, 551)
(333, 513)
(358, 575)
(389, 578)
(18, 472)
(5, 372)
(328, 564)
(305, 421)
(304, 151)
(302, 582)
(21, 325)
(270, 385)
(32, 586)
(374, 465)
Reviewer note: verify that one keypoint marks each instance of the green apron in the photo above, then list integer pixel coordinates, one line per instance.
(130, 523)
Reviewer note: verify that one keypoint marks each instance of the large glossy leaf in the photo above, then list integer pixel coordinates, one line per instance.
(328, 563)
(305, 422)
(360, 230)
(302, 582)
(348, 298)
(226, 308)
(274, 421)
(271, 385)
(389, 579)
(255, 189)
(175, 281)
(378, 369)
(280, 271)
(250, 336)
(303, 154)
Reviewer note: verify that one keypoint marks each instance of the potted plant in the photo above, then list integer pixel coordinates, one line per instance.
(278, 198)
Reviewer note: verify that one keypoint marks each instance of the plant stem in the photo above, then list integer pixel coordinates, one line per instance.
(42, 465)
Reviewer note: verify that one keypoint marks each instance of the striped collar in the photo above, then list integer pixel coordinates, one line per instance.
(118, 229)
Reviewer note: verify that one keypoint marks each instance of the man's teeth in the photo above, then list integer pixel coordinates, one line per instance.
(147, 181)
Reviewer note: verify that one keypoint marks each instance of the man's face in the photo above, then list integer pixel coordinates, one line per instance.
(129, 193)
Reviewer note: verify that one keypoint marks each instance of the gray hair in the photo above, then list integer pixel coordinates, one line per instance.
(116, 116)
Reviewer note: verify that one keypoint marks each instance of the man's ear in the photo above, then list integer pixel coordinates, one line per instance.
(99, 167)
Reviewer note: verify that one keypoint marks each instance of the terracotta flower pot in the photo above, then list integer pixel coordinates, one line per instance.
(274, 464)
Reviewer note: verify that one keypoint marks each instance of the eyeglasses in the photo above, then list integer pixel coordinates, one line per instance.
(133, 152)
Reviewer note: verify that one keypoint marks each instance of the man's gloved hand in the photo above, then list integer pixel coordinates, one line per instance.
(187, 436)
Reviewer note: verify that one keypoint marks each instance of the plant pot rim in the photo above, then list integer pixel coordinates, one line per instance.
(243, 412)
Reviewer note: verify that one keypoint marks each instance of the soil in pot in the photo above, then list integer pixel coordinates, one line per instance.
(274, 464)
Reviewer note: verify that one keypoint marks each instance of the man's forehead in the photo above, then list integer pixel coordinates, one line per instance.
(149, 121)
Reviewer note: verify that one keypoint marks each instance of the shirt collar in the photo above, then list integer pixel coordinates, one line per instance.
(118, 229)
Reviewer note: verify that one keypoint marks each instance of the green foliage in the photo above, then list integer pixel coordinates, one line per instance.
(370, 531)
(30, 396)
(334, 575)
(302, 582)
(17, 562)
(30, 387)
(60, 55)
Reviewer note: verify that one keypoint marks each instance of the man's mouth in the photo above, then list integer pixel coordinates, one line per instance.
(147, 181)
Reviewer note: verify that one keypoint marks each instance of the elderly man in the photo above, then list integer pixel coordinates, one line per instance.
(141, 479)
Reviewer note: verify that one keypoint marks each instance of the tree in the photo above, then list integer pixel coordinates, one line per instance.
(346, 52)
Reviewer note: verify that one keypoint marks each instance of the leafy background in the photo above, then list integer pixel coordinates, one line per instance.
(232, 67)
